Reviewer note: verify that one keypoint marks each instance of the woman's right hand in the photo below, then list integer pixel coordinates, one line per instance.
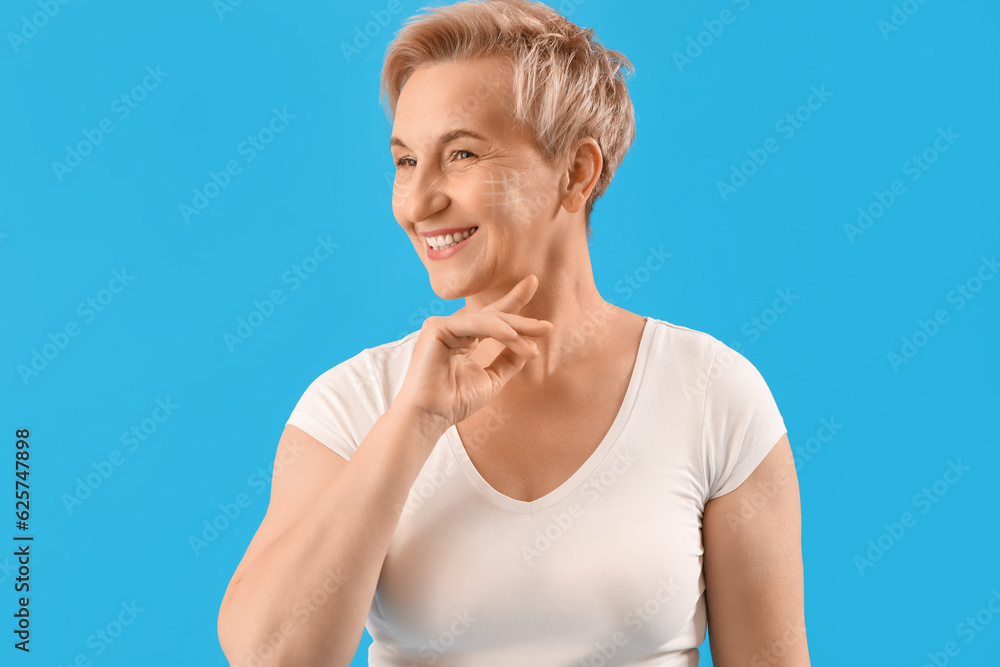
(444, 383)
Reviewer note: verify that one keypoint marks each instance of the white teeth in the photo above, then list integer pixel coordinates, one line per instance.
(448, 240)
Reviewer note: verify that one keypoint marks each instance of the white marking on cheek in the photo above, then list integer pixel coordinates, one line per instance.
(399, 194)
(505, 190)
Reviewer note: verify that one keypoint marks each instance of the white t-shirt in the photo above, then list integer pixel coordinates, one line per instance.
(604, 570)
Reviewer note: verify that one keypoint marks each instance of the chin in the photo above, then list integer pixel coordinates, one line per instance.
(448, 288)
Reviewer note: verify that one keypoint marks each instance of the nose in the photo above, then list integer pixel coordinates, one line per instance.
(421, 196)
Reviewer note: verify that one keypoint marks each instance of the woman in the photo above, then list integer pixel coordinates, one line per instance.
(541, 478)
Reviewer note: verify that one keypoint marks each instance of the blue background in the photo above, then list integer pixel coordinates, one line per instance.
(326, 174)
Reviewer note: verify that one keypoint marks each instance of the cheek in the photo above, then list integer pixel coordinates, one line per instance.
(400, 191)
(510, 194)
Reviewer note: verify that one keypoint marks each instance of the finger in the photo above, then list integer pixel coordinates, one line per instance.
(519, 295)
(526, 326)
(461, 331)
(506, 365)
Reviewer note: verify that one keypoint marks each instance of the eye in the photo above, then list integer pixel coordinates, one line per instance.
(410, 162)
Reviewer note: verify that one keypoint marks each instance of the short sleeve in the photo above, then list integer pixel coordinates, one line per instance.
(741, 421)
(340, 407)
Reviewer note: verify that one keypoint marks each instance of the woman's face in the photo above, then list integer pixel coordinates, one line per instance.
(461, 163)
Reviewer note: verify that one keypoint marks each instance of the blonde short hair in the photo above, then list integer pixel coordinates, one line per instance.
(566, 84)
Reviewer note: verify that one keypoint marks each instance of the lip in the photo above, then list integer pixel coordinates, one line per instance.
(447, 252)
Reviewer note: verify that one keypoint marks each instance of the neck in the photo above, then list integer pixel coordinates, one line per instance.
(567, 297)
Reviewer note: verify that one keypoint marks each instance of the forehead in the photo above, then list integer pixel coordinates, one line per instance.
(438, 97)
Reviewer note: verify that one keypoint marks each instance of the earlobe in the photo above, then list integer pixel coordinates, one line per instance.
(574, 201)
(582, 173)
(573, 197)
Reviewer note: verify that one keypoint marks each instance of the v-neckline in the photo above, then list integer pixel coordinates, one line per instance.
(584, 471)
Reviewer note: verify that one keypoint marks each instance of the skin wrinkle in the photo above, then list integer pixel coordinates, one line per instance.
(507, 181)
(501, 167)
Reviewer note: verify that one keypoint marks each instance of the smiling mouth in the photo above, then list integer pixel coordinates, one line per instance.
(449, 240)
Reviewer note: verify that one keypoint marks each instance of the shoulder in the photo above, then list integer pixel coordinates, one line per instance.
(340, 406)
(705, 367)
(372, 365)
(685, 339)
(371, 371)
(684, 349)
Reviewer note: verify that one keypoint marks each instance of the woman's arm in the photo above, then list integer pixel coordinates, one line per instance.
(303, 590)
(327, 531)
(753, 569)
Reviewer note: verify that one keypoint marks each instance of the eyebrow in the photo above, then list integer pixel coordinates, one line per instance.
(444, 139)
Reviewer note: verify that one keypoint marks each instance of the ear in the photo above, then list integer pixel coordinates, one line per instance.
(583, 170)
